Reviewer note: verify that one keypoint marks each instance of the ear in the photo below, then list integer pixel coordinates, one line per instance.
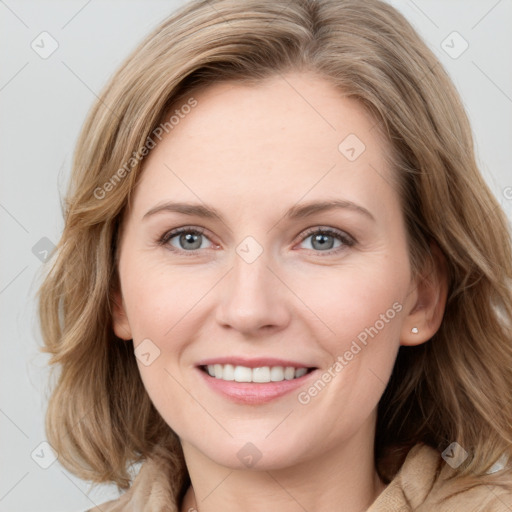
(120, 322)
(429, 300)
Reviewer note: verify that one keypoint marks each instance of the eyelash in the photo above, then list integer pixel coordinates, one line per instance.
(347, 240)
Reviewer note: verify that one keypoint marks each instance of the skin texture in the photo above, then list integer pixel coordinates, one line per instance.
(253, 152)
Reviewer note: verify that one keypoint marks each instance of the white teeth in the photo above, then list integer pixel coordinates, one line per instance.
(277, 373)
(242, 374)
(261, 374)
(228, 372)
(289, 373)
(300, 372)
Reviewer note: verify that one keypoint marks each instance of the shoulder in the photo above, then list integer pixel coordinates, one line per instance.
(117, 505)
(151, 491)
(424, 481)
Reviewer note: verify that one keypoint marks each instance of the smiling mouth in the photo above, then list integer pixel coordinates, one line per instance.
(263, 374)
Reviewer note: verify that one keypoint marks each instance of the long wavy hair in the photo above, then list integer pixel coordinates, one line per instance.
(455, 387)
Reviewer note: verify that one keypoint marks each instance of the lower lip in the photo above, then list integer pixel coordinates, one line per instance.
(253, 392)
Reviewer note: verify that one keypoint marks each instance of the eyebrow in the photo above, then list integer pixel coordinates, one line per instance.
(295, 212)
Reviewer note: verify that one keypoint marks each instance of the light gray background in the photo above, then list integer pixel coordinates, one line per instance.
(43, 104)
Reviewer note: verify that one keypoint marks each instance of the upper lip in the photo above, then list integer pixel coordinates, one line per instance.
(256, 362)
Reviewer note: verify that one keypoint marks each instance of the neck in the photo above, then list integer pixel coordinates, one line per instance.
(341, 479)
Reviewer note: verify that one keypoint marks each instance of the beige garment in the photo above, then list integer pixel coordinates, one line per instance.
(419, 486)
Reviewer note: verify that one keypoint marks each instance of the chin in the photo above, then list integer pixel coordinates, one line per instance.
(262, 455)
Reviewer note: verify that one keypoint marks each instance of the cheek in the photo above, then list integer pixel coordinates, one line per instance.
(362, 306)
(162, 305)
(364, 309)
(357, 300)
(159, 296)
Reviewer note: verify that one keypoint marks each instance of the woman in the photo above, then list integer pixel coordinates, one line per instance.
(338, 334)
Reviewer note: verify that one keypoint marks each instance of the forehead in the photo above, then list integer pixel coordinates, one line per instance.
(301, 107)
(286, 137)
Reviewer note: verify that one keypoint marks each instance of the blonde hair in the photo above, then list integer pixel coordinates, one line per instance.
(456, 387)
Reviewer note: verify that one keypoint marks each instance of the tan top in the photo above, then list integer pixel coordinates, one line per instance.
(419, 486)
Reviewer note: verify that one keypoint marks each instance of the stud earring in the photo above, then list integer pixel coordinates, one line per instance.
(415, 330)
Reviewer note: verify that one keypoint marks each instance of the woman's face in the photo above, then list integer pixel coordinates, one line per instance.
(275, 284)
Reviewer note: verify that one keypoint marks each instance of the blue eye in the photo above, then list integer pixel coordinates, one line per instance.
(190, 240)
(324, 240)
(187, 239)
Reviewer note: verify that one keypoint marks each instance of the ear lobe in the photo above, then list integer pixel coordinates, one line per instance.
(120, 323)
(425, 318)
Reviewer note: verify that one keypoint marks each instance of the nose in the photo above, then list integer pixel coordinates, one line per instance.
(254, 300)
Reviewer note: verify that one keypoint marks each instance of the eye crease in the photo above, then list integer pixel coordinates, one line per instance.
(318, 235)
